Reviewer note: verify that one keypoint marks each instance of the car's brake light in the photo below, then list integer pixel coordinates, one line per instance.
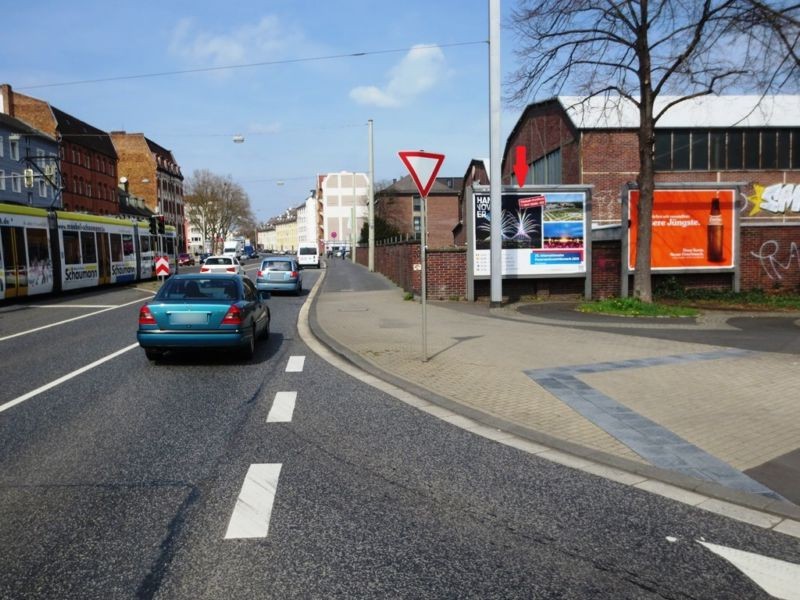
(231, 269)
(204, 269)
(146, 317)
(293, 274)
(233, 316)
(259, 273)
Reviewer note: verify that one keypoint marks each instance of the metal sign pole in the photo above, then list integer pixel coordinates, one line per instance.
(423, 254)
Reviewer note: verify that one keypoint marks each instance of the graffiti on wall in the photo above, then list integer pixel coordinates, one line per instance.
(779, 198)
(769, 257)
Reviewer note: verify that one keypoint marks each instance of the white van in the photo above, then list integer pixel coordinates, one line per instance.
(308, 255)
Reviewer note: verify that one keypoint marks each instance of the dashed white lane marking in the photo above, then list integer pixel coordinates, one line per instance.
(282, 407)
(251, 515)
(295, 364)
(66, 377)
(97, 312)
(73, 306)
(778, 578)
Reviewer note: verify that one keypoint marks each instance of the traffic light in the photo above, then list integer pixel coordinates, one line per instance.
(153, 225)
(161, 228)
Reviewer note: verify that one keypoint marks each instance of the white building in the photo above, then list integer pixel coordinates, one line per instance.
(345, 207)
(307, 225)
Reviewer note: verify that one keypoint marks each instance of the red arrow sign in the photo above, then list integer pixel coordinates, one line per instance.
(162, 265)
(521, 166)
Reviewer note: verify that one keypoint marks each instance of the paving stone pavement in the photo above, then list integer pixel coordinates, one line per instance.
(733, 409)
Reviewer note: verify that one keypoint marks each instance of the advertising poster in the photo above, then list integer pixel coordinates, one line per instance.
(543, 233)
(692, 229)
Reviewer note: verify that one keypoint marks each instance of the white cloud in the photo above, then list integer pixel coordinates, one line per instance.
(266, 40)
(419, 71)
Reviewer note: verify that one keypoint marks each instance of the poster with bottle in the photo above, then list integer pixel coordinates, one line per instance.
(692, 229)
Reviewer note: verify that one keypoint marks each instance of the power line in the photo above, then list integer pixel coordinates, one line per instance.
(251, 65)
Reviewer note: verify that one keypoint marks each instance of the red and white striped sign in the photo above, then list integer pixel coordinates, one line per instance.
(162, 265)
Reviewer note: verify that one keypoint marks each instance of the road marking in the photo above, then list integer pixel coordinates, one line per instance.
(73, 306)
(778, 578)
(251, 515)
(295, 364)
(97, 312)
(282, 407)
(66, 377)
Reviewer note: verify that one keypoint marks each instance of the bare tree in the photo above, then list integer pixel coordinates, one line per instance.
(635, 50)
(216, 206)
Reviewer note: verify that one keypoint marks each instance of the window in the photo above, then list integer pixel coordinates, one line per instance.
(127, 245)
(417, 204)
(717, 151)
(16, 183)
(72, 248)
(2, 151)
(734, 151)
(680, 150)
(13, 147)
(417, 224)
(116, 247)
(751, 150)
(2, 180)
(42, 188)
(88, 248)
(782, 158)
(663, 158)
(769, 149)
(700, 151)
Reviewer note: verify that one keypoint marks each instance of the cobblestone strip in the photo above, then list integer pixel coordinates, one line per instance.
(657, 444)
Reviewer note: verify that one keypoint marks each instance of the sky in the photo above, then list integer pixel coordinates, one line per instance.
(421, 74)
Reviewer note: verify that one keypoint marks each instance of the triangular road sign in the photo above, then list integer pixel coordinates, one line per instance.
(423, 166)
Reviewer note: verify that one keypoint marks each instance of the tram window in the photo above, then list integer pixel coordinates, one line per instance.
(37, 245)
(116, 247)
(145, 239)
(88, 248)
(127, 245)
(170, 246)
(72, 248)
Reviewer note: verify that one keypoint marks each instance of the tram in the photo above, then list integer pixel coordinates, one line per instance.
(45, 251)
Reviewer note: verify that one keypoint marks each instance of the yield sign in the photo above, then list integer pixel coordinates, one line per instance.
(423, 167)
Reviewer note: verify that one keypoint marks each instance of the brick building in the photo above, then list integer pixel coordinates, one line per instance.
(748, 139)
(400, 205)
(88, 160)
(151, 172)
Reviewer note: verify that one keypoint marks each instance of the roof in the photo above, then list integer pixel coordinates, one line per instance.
(83, 134)
(17, 126)
(406, 185)
(600, 112)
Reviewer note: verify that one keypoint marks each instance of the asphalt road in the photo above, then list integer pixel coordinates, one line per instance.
(122, 481)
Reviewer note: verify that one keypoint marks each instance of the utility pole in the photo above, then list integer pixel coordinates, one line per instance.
(495, 177)
(371, 256)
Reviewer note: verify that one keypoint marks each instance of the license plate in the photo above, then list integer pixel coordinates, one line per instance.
(189, 318)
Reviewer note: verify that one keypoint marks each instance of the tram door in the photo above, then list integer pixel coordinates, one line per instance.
(103, 258)
(15, 270)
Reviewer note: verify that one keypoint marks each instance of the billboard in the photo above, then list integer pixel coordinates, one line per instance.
(544, 233)
(692, 229)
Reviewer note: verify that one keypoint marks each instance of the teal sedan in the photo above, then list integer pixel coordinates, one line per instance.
(204, 311)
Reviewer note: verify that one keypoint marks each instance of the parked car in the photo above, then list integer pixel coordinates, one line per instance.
(185, 259)
(222, 264)
(279, 274)
(204, 311)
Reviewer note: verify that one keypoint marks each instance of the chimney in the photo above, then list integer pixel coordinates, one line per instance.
(6, 100)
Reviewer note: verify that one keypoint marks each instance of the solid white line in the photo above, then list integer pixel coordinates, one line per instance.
(295, 364)
(282, 407)
(73, 306)
(251, 515)
(66, 377)
(97, 312)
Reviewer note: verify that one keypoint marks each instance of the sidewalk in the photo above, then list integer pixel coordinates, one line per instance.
(689, 414)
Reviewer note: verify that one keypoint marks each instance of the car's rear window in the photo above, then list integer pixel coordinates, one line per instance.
(277, 265)
(219, 260)
(199, 289)
(308, 250)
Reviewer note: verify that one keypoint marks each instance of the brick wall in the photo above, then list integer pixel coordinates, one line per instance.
(769, 260)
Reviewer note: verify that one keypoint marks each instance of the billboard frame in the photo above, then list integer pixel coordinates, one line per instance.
(734, 186)
(586, 274)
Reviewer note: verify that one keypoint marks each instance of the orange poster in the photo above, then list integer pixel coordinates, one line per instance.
(692, 229)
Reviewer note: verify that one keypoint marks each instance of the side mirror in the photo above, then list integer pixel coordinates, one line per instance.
(264, 294)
